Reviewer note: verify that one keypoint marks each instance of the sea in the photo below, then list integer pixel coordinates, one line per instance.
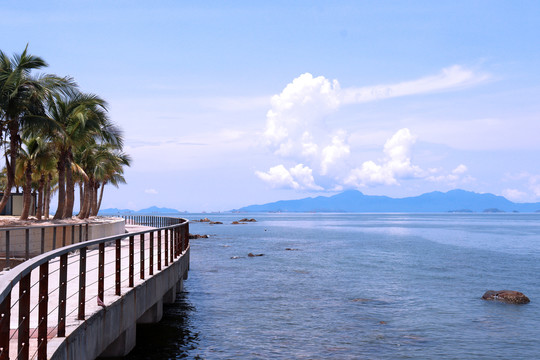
(354, 286)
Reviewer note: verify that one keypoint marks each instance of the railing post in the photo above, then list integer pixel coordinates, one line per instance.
(7, 249)
(72, 234)
(82, 283)
(43, 310)
(141, 251)
(151, 253)
(159, 250)
(80, 233)
(5, 310)
(64, 235)
(171, 240)
(27, 244)
(54, 238)
(86, 232)
(118, 266)
(101, 272)
(23, 335)
(42, 240)
(131, 260)
(62, 296)
(166, 247)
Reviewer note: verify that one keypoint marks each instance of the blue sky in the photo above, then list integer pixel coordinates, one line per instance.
(226, 104)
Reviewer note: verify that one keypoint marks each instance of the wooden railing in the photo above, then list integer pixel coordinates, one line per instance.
(26, 289)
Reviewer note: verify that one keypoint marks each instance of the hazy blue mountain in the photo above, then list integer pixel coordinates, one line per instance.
(148, 211)
(157, 210)
(115, 211)
(355, 201)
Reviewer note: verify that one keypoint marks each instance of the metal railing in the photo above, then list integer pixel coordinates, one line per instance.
(51, 237)
(83, 266)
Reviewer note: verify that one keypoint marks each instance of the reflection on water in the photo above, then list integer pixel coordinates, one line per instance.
(172, 338)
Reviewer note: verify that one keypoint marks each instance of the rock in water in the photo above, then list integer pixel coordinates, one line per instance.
(506, 296)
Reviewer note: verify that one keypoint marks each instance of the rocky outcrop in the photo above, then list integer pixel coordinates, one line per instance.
(215, 222)
(247, 220)
(253, 255)
(197, 236)
(506, 296)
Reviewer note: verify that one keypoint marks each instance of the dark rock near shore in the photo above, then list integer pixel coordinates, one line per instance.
(253, 255)
(506, 296)
(197, 236)
(247, 220)
(202, 220)
(215, 222)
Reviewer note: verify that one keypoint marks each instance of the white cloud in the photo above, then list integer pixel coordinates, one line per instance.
(449, 78)
(334, 152)
(299, 177)
(515, 195)
(396, 165)
(297, 129)
(151, 191)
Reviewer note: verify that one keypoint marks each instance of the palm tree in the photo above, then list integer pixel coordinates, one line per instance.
(22, 95)
(80, 120)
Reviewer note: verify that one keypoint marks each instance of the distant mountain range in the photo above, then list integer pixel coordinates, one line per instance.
(355, 201)
(148, 211)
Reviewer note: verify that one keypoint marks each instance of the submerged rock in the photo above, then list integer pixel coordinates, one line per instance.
(197, 236)
(247, 220)
(215, 222)
(506, 296)
(253, 255)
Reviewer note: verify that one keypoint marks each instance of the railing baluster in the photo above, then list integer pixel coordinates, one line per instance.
(43, 309)
(72, 234)
(63, 236)
(141, 251)
(42, 240)
(7, 249)
(54, 238)
(101, 272)
(62, 296)
(159, 250)
(171, 240)
(23, 334)
(27, 244)
(82, 283)
(151, 253)
(118, 266)
(166, 247)
(131, 259)
(5, 310)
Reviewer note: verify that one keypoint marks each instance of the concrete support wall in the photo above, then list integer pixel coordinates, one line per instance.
(110, 332)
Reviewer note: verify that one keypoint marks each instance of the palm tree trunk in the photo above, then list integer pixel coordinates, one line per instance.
(100, 197)
(39, 212)
(27, 192)
(14, 138)
(85, 210)
(61, 166)
(70, 188)
(94, 200)
(47, 203)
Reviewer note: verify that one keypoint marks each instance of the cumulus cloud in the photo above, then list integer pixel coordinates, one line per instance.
(299, 177)
(396, 164)
(297, 131)
(515, 195)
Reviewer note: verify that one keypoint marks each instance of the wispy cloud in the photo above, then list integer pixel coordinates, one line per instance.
(151, 191)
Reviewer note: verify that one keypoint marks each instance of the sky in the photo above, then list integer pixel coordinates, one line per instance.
(228, 104)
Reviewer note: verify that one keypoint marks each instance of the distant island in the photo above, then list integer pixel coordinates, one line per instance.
(148, 211)
(356, 201)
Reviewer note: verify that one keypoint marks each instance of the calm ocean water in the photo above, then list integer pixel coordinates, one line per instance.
(355, 286)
